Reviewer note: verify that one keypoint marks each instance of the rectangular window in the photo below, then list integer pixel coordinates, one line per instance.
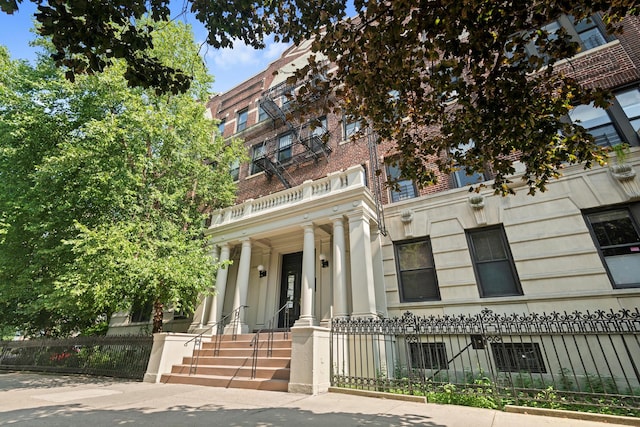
(234, 169)
(401, 189)
(618, 123)
(319, 126)
(629, 100)
(432, 355)
(221, 127)
(617, 236)
(241, 123)
(460, 176)
(262, 114)
(417, 279)
(493, 263)
(256, 155)
(141, 311)
(518, 357)
(284, 147)
(598, 122)
(588, 33)
(591, 32)
(317, 137)
(350, 127)
(287, 99)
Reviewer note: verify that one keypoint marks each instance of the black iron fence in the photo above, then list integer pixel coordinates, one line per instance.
(115, 356)
(582, 361)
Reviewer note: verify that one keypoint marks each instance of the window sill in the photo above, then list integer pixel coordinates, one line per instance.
(421, 301)
(255, 175)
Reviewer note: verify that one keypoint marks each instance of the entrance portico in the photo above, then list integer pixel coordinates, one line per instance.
(333, 217)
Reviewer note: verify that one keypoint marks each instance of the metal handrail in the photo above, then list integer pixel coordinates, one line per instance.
(255, 342)
(220, 332)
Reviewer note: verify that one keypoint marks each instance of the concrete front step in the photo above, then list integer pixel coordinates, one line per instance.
(234, 371)
(248, 337)
(231, 367)
(235, 382)
(267, 362)
(245, 344)
(244, 352)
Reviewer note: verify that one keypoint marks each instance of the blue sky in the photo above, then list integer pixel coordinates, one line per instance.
(228, 66)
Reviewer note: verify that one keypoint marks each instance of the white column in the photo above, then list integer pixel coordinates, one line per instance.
(217, 301)
(242, 284)
(362, 280)
(339, 270)
(308, 278)
(378, 273)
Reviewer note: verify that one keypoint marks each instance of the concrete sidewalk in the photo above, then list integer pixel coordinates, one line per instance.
(28, 399)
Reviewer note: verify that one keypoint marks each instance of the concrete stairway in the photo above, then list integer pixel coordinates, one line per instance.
(231, 368)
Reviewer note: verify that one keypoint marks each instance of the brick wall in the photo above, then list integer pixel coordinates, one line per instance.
(613, 65)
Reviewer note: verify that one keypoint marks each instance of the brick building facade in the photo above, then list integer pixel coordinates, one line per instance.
(311, 235)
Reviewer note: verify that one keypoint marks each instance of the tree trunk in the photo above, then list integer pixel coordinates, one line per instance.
(158, 313)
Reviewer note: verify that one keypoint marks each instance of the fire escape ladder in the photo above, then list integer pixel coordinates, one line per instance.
(272, 109)
(277, 106)
(372, 142)
(271, 168)
(270, 164)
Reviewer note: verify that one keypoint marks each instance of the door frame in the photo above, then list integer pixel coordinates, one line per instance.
(290, 289)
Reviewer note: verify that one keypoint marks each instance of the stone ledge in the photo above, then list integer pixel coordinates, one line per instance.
(378, 394)
(575, 415)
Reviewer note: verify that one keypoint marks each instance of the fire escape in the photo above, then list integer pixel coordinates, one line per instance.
(277, 102)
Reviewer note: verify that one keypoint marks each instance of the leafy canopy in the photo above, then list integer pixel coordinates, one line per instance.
(88, 36)
(454, 84)
(399, 64)
(105, 191)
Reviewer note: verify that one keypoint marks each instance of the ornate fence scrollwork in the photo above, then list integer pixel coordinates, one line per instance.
(562, 360)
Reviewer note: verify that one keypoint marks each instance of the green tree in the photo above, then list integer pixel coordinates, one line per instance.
(88, 36)
(455, 84)
(106, 189)
(396, 60)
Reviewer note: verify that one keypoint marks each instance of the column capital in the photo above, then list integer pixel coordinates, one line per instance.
(337, 218)
(359, 214)
(307, 225)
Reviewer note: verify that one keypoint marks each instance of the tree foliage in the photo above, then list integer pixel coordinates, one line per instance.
(88, 36)
(399, 64)
(455, 85)
(105, 191)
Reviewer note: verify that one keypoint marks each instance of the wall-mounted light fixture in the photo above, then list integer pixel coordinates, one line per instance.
(262, 271)
(324, 262)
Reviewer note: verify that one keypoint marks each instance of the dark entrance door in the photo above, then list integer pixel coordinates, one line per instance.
(290, 283)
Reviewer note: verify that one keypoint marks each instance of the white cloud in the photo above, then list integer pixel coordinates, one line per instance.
(232, 66)
(274, 50)
(243, 55)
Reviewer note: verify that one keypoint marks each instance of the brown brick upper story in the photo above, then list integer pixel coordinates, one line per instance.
(614, 64)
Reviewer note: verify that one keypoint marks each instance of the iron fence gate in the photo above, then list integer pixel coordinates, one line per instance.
(583, 361)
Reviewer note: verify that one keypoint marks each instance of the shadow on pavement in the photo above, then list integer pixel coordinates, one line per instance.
(205, 415)
(9, 380)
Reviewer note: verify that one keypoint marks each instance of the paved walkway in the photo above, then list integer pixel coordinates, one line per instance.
(28, 399)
